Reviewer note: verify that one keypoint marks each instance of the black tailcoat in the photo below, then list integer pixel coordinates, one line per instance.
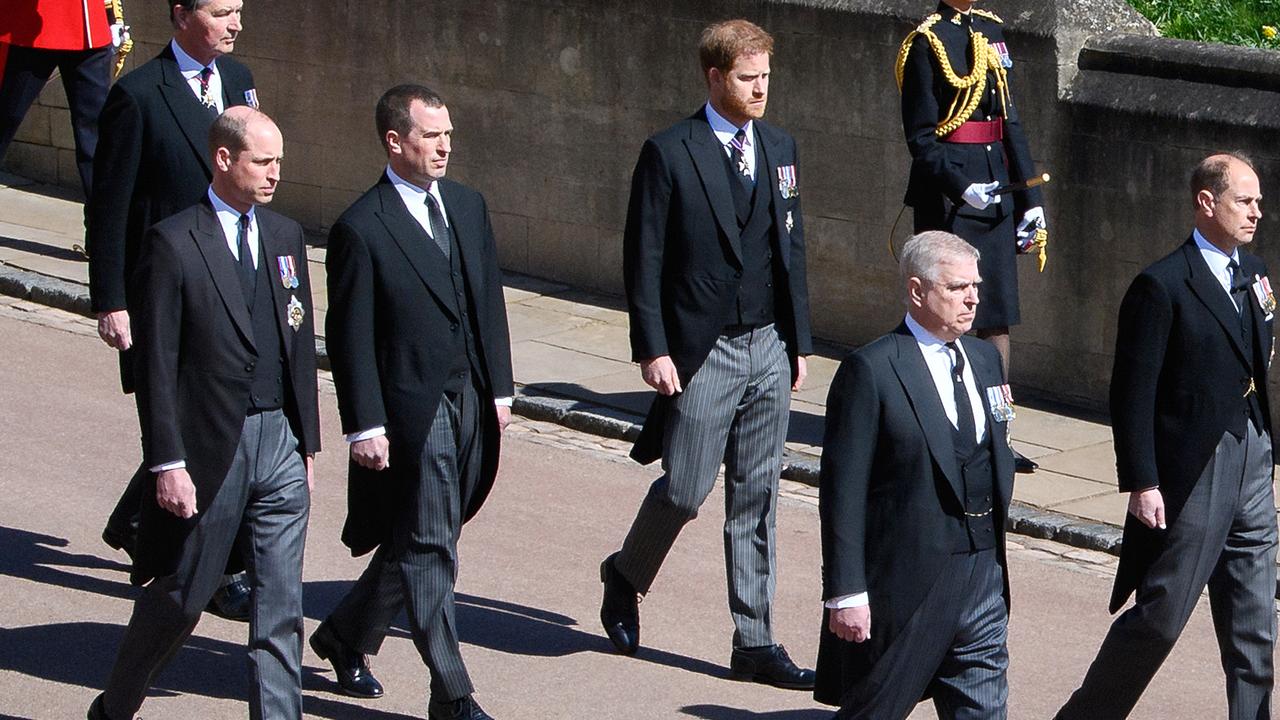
(1177, 385)
(891, 497)
(196, 353)
(152, 161)
(682, 259)
(392, 338)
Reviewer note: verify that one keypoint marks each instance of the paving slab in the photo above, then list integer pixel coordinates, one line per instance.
(1046, 488)
(529, 323)
(596, 338)
(1095, 462)
(1110, 508)
(537, 363)
(1057, 431)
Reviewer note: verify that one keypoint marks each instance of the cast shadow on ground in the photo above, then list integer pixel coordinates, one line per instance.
(721, 712)
(513, 628)
(632, 406)
(38, 248)
(37, 557)
(81, 654)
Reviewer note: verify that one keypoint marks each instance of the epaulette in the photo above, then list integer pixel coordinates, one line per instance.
(988, 15)
(926, 29)
(928, 23)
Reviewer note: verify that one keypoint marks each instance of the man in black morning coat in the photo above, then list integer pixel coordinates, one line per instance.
(151, 162)
(230, 421)
(1192, 426)
(417, 334)
(714, 267)
(914, 490)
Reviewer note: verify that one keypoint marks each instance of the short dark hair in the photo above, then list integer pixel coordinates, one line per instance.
(392, 111)
(230, 130)
(1214, 173)
(185, 5)
(721, 43)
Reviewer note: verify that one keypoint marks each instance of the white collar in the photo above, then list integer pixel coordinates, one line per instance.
(221, 207)
(187, 65)
(724, 129)
(926, 339)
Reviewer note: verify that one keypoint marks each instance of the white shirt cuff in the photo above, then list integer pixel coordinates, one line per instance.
(848, 601)
(366, 434)
(175, 465)
(504, 401)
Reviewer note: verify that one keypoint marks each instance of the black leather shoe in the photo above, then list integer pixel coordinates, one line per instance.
(769, 665)
(619, 610)
(96, 711)
(231, 601)
(464, 708)
(351, 667)
(1024, 464)
(117, 540)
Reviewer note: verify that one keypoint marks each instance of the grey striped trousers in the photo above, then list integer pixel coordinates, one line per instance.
(418, 569)
(734, 409)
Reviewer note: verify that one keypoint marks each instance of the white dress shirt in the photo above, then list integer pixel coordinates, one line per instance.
(1217, 261)
(725, 130)
(938, 358)
(415, 201)
(190, 69)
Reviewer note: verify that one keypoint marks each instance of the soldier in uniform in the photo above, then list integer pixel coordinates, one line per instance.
(966, 143)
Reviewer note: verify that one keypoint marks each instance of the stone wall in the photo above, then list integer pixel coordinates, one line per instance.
(552, 99)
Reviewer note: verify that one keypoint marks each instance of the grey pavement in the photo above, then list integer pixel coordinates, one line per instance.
(572, 366)
(528, 590)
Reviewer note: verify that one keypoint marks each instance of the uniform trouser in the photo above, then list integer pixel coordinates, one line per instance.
(86, 75)
(735, 409)
(1225, 537)
(418, 568)
(264, 500)
(953, 648)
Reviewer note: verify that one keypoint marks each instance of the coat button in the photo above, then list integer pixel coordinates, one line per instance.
(737, 276)
(248, 368)
(453, 327)
(988, 148)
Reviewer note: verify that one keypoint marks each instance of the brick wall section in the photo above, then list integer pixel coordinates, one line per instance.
(552, 99)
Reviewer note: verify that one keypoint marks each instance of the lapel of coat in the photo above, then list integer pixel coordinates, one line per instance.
(467, 230)
(1209, 291)
(917, 382)
(770, 155)
(414, 242)
(987, 376)
(191, 117)
(272, 247)
(212, 243)
(707, 154)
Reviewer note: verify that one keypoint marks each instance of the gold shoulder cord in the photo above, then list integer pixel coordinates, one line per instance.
(969, 89)
(116, 10)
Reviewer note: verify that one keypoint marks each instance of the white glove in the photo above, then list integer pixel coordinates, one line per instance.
(1032, 220)
(119, 34)
(979, 195)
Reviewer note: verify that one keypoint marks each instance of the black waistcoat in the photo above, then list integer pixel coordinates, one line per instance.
(977, 471)
(754, 210)
(267, 391)
(467, 362)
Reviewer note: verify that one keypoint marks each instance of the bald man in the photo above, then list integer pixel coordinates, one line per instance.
(1192, 426)
(227, 396)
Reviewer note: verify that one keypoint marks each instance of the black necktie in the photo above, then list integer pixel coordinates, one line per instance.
(1239, 287)
(439, 231)
(738, 154)
(966, 431)
(247, 273)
